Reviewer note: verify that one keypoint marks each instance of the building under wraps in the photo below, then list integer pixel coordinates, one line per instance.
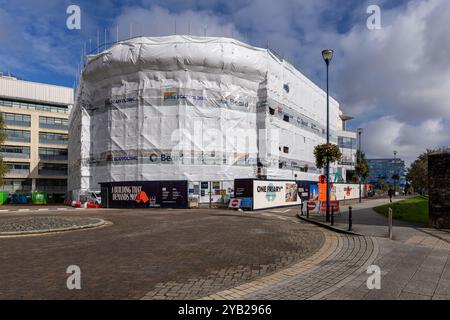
(202, 111)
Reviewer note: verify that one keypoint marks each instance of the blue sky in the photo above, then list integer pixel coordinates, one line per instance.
(394, 80)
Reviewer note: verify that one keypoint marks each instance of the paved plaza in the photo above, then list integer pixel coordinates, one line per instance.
(224, 254)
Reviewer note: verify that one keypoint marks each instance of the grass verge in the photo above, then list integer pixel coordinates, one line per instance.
(412, 209)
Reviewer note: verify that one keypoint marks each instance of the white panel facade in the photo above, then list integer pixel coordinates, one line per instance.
(25, 90)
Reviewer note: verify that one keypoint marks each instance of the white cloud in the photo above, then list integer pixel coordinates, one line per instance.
(157, 21)
(384, 135)
(404, 66)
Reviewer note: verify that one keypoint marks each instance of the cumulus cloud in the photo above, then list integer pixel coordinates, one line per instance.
(158, 21)
(404, 67)
(384, 135)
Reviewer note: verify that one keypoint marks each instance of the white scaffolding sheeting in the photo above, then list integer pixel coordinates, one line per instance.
(183, 108)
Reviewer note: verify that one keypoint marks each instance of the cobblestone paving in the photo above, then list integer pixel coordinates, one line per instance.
(175, 253)
(216, 280)
(40, 223)
(342, 256)
(353, 253)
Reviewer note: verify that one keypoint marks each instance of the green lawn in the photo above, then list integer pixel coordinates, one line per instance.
(413, 209)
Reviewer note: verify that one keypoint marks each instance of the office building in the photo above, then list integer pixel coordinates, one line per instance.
(35, 149)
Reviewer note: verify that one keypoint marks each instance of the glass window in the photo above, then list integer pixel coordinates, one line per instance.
(32, 106)
(348, 143)
(15, 119)
(17, 135)
(18, 168)
(52, 154)
(52, 169)
(53, 123)
(53, 138)
(15, 152)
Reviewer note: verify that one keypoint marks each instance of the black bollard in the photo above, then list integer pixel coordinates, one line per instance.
(332, 215)
(350, 218)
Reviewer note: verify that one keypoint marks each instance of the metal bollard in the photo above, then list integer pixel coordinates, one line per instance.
(350, 222)
(332, 215)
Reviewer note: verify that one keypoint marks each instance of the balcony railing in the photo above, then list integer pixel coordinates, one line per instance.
(53, 141)
(18, 172)
(17, 139)
(53, 157)
(15, 188)
(53, 126)
(48, 172)
(18, 123)
(15, 155)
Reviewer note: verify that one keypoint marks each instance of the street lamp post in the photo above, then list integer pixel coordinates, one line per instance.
(395, 172)
(327, 55)
(358, 159)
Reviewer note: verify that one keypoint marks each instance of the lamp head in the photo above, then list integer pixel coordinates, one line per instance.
(327, 55)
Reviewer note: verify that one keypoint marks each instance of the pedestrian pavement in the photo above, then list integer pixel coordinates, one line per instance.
(365, 220)
(415, 264)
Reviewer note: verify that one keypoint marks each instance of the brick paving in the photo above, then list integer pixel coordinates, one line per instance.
(326, 271)
(174, 253)
(222, 254)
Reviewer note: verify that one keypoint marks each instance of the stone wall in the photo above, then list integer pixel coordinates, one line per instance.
(439, 189)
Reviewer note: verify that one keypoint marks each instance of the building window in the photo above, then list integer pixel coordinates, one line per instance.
(15, 152)
(15, 119)
(16, 185)
(347, 143)
(53, 123)
(51, 185)
(286, 149)
(52, 154)
(17, 135)
(18, 168)
(52, 169)
(53, 138)
(32, 106)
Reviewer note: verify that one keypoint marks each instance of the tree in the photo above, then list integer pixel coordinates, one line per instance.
(382, 185)
(324, 151)
(417, 173)
(3, 168)
(362, 166)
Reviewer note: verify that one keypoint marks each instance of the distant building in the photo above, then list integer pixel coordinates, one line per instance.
(35, 149)
(384, 169)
